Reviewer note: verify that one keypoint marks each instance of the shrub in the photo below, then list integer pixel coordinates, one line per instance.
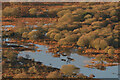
(52, 31)
(78, 18)
(53, 12)
(100, 57)
(20, 58)
(8, 11)
(88, 16)
(100, 44)
(111, 26)
(32, 70)
(114, 12)
(110, 39)
(33, 11)
(11, 55)
(78, 11)
(63, 12)
(75, 31)
(89, 20)
(16, 12)
(64, 31)
(96, 43)
(67, 18)
(97, 23)
(114, 19)
(103, 7)
(95, 27)
(91, 36)
(101, 14)
(117, 27)
(111, 52)
(63, 41)
(21, 28)
(71, 38)
(83, 41)
(25, 35)
(85, 29)
(81, 76)
(40, 24)
(22, 75)
(20, 24)
(116, 42)
(34, 35)
(58, 36)
(69, 69)
(103, 44)
(62, 26)
(54, 74)
(106, 22)
(6, 34)
(69, 7)
(52, 35)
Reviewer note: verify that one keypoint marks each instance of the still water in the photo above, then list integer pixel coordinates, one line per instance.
(79, 61)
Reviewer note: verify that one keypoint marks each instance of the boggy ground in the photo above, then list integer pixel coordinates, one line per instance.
(78, 21)
(19, 67)
(31, 21)
(54, 47)
(100, 55)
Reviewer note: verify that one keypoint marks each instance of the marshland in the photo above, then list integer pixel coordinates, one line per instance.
(70, 40)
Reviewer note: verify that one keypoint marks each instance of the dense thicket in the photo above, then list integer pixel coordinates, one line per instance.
(85, 24)
(91, 25)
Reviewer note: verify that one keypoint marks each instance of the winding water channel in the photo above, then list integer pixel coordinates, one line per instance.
(48, 60)
(79, 61)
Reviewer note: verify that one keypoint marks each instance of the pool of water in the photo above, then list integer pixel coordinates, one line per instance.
(8, 26)
(79, 61)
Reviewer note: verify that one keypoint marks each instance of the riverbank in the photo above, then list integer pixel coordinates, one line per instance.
(58, 50)
(20, 67)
